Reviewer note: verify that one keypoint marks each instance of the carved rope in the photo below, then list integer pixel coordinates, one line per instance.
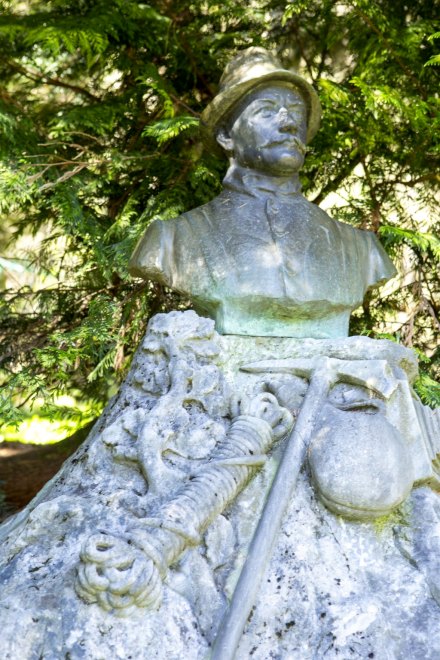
(122, 574)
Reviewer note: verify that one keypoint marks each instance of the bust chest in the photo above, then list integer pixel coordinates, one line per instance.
(270, 266)
(275, 249)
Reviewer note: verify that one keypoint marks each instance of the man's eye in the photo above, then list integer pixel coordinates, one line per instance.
(265, 112)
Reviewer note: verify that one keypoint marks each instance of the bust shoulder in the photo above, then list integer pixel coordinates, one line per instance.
(362, 244)
(172, 252)
(150, 252)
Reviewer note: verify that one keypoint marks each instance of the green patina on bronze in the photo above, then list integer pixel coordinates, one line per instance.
(260, 259)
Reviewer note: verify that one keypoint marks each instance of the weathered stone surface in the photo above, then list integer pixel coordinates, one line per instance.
(133, 550)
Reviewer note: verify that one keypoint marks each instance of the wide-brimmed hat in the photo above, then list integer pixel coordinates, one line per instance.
(250, 68)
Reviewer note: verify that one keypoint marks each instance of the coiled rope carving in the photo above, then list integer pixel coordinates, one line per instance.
(121, 574)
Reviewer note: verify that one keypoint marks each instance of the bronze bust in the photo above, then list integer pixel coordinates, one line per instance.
(260, 259)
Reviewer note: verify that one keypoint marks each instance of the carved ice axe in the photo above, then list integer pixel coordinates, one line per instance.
(322, 373)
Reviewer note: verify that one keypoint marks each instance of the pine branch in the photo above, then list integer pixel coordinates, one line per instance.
(336, 182)
(390, 48)
(47, 80)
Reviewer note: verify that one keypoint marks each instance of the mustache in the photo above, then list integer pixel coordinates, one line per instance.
(290, 139)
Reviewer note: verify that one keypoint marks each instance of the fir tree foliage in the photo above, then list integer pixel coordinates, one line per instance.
(99, 108)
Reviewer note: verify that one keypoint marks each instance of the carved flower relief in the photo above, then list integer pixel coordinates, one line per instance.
(163, 455)
(186, 335)
(190, 414)
(197, 442)
(151, 372)
(209, 389)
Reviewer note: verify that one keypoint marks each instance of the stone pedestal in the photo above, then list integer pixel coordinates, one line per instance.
(134, 549)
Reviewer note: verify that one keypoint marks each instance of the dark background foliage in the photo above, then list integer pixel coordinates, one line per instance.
(99, 107)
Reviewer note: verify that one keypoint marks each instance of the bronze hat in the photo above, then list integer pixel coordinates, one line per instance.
(252, 67)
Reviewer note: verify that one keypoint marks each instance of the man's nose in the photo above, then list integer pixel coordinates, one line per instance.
(286, 121)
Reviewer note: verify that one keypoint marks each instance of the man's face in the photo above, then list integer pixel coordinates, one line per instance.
(268, 130)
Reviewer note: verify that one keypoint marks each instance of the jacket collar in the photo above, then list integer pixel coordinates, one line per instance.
(258, 184)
